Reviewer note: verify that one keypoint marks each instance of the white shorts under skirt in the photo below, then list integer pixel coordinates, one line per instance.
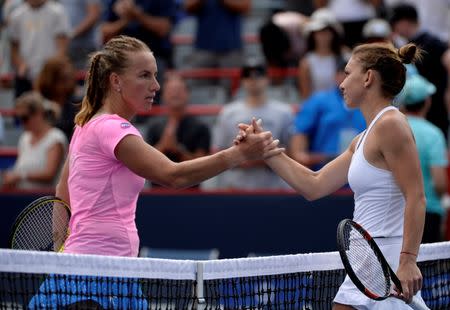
(349, 294)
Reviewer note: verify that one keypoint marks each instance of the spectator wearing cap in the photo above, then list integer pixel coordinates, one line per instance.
(324, 126)
(278, 118)
(406, 28)
(318, 66)
(377, 30)
(415, 101)
(42, 147)
(352, 14)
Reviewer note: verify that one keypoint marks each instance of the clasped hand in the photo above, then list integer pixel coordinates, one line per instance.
(257, 144)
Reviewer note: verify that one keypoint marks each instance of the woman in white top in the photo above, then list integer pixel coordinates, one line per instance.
(41, 148)
(382, 167)
(317, 68)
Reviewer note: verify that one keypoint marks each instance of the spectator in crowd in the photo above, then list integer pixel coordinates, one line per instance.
(318, 67)
(325, 126)
(377, 30)
(179, 136)
(406, 28)
(282, 39)
(278, 118)
(42, 147)
(57, 82)
(84, 17)
(38, 30)
(434, 16)
(149, 21)
(415, 100)
(218, 41)
(352, 14)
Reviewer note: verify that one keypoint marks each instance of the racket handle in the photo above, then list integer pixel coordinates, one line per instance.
(418, 304)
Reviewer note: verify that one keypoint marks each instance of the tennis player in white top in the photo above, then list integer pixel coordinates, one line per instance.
(381, 165)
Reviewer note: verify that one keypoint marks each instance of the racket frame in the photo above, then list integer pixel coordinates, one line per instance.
(387, 270)
(29, 208)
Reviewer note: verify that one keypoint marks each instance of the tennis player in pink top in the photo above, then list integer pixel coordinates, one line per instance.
(108, 159)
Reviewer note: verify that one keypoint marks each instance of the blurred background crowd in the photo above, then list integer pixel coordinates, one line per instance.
(220, 63)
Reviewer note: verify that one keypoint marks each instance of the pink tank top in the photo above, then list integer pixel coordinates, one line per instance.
(103, 191)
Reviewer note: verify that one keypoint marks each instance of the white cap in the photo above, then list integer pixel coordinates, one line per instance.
(376, 28)
(321, 19)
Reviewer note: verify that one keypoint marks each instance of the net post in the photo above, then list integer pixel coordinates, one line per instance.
(201, 302)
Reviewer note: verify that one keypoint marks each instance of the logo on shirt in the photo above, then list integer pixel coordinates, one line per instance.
(125, 125)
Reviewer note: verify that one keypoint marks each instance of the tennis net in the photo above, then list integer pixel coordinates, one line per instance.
(42, 280)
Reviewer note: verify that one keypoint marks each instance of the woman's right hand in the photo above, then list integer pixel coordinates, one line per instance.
(254, 143)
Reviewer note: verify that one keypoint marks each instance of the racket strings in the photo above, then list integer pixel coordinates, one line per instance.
(42, 227)
(365, 263)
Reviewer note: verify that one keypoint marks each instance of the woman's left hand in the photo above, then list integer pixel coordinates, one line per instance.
(410, 277)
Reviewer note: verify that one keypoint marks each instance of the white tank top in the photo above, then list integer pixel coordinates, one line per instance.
(379, 203)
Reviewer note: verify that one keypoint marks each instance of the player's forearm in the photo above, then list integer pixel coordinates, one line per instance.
(413, 226)
(302, 179)
(192, 172)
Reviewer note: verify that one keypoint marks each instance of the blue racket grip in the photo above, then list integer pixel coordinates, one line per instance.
(418, 304)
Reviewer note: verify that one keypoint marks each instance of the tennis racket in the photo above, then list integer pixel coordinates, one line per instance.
(42, 226)
(366, 265)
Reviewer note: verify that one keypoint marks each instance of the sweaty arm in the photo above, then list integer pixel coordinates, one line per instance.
(399, 152)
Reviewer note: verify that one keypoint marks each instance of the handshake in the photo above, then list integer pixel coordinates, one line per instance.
(254, 143)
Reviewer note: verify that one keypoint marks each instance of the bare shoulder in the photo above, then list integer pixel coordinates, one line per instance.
(393, 128)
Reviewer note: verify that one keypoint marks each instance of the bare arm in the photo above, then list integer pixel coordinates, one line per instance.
(55, 157)
(17, 60)
(62, 188)
(439, 176)
(93, 14)
(320, 3)
(298, 148)
(146, 161)
(62, 45)
(193, 6)
(400, 154)
(111, 29)
(304, 80)
(159, 25)
(312, 185)
(238, 6)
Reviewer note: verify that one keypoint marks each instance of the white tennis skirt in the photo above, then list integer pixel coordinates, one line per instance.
(349, 294)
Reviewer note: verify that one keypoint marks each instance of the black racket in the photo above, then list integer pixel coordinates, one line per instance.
(366, 265)
(42, 226)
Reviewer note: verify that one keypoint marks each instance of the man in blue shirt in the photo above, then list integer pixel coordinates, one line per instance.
(218, 41)
(324, 126)
(415, 99)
